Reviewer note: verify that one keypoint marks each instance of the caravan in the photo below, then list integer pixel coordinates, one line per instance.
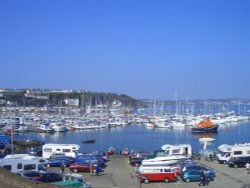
(69, 150)
(226, 152)
(181, 149)
(19, 162)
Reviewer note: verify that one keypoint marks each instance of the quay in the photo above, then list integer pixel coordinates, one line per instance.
(119, 174)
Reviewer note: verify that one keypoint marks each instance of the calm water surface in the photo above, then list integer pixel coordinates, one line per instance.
(138, 137)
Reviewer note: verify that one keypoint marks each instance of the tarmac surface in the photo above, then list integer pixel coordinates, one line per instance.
(119, 174)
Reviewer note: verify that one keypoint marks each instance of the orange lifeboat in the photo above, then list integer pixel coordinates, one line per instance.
(205, 126)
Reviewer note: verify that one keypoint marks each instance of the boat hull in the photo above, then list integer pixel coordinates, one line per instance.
(206, 129)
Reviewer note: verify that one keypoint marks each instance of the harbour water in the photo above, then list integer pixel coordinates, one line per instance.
(139, 137)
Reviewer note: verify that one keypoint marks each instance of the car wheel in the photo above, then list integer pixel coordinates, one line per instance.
(235, 166)
(188, 180)
(224, 162)
(48, 165)
(211, 179)
(136, 164)
(146, 181)
(166, 180)
(75, 170)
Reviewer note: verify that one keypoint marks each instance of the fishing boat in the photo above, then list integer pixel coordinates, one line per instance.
(205, 126)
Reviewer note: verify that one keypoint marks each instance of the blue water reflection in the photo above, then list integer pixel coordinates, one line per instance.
(138, 137)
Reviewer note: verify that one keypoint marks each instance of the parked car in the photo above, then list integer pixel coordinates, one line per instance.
(49, 177)
(195, 175)
(148, 174)
(90, 158)
(58, 162)
(30, 174)
(189, 167)
(81, 167)
(78, 177)
(238, 161)
(62, 156)
(135, 161)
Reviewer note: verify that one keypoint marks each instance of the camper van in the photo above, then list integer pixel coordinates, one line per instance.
(68, 149)
(181, 149)
(226, 152)
(19, 162)
(147, 174)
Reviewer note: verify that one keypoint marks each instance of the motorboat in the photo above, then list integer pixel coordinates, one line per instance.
(164, 160)
(45, 128)
(161, 157)
(206, 139)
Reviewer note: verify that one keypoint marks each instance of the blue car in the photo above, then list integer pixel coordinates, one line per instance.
(90, 158)
(195, 175)
(58, 162)
(197, 167)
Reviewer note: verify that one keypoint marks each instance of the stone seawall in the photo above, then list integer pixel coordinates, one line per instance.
(10, 180)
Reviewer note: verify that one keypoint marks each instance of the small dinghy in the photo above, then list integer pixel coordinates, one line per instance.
(88, 141)
(206, 139)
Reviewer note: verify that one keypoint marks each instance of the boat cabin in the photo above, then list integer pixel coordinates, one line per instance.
(70, 150)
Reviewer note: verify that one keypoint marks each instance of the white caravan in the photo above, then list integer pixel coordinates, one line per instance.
(19, 162)
(226, 152)
(181, 149)
(70, 150)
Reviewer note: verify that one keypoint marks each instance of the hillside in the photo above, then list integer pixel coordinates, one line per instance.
(64, 98)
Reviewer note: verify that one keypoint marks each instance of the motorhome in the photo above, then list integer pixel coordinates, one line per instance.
(147, 174)
(181, 149)
(70, 150)
(19, 162)
(226, 152)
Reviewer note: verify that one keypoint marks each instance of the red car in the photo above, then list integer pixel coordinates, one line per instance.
(81, 167)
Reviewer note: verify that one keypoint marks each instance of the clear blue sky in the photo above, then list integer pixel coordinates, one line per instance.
(142, 48)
